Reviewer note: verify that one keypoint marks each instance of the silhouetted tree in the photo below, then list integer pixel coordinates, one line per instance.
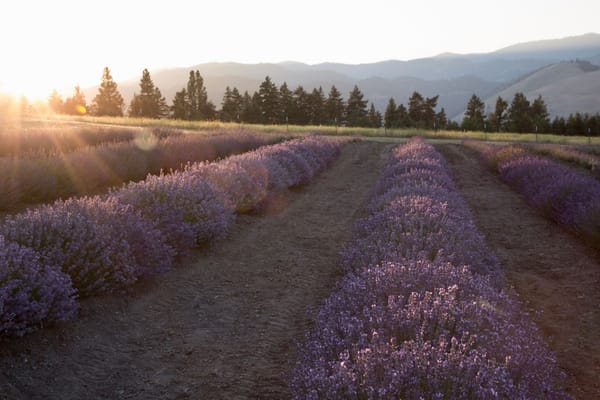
(441, 121)
(316, 106)
(299, 114)
(179, 109)
(269, 101)
(286, 101)
(498, 119)
(334, 106)
(474, 115)
(519, 114)
(391, 115)
(356, 108)
(149, 103)
(231, 106)
(374, 117)
(55, 102)
(539, 115)
(75, 105)
(108, 101)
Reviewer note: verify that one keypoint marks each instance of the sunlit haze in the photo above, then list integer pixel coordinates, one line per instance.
(58, 44)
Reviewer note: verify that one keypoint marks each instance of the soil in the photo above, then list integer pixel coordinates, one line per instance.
(556, 275)
(223, 326)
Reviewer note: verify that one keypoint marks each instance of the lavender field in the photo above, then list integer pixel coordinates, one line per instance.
(310, 268)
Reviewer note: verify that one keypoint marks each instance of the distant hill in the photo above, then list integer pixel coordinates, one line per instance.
(454, 77)
(566, 87)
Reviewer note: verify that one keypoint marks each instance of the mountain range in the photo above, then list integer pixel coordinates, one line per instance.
(564, 71)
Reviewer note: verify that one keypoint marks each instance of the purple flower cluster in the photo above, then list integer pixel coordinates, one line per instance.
(31, 292)
(420, 313)
(55, 253)
(93, 168)
(565, 194)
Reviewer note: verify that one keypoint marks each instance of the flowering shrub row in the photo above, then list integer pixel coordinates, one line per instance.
(421, 312)
(565, 194)
(91, 169)
(19, 142)
(54, 254)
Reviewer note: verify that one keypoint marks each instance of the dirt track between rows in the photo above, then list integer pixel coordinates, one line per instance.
(554, 273)
(222, 327)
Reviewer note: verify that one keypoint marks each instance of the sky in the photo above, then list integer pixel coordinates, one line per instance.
(46, 45)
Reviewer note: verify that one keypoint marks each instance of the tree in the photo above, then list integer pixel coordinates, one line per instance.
(299, 113)
(402, 115)
(334, 106)
(269, 101)
(429, 112)
(539, 115)
(391, 115)
(559, 126)
(199, 108)
(149, 103)
(498, 119)
(286, 99)
(316, 106)
(55, 102)
(231, 106)
(474, 115)
(179, 109)
(518, 114)
(441, 121)
(416, 108)
(75, 105)
(356, 109)
(374, 117)
(108, 101)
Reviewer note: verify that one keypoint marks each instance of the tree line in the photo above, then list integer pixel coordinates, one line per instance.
(271, 104)
(523, 116)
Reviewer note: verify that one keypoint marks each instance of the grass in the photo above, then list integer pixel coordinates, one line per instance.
(296, 130)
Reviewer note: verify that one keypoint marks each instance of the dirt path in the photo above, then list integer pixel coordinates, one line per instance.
(554, 273)
(223, 327)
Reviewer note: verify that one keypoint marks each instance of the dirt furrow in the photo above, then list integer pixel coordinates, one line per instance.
(221, 327)
(556, 275)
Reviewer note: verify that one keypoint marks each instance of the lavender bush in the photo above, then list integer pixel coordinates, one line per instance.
(421, 312)
(565, 194)
(32, 293)
(80, 247)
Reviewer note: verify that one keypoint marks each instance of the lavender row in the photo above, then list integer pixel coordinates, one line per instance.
(566, 195)
(421, 312)
(91, 169)
(55, 254)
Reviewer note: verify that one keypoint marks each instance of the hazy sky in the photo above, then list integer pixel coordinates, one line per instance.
(60, 43)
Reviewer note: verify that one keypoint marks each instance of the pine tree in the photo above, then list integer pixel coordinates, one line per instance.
(179, 109)
(149, 103)
(402, 116)
(55, 102)
(300, 112)
(108, 101)
(374, 117)
(334, 106)
(356, 108)
(76, 105)
(416, 108)
(441, 121)
(269, 101)
(429, 112)
(316, 101)
(519, 114)
(474, 115)
(497, 120)
(539, 115)
(286, 100)
(391, 115)
(229, 109)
